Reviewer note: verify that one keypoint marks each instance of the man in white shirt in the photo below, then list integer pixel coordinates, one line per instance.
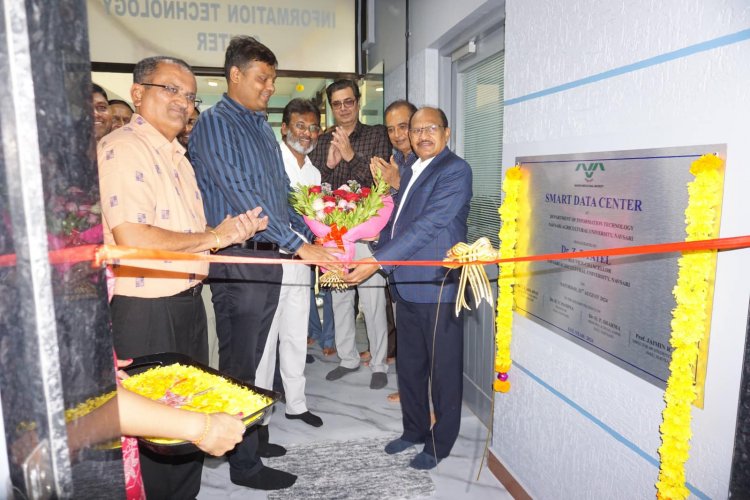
(300, 128)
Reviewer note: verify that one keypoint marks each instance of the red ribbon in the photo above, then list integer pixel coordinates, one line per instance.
(98, 255)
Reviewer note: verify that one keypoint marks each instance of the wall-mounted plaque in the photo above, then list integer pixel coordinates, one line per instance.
(617, 307)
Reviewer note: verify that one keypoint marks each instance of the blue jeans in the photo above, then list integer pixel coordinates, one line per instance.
(324, 335)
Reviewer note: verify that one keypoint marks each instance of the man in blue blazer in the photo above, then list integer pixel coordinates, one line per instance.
(430, 217)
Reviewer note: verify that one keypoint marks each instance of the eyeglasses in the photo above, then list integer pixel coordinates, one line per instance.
(346, 103)
(301, 127)
(401, 127)
(428, 129)
(173, 91)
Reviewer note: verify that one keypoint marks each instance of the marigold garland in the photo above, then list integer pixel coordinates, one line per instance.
(508, 238)
(688, 326)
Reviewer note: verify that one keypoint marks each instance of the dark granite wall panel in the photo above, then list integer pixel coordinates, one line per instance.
(55, 345)
(739, 484)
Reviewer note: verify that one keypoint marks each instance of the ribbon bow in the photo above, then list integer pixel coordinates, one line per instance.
(460, 255)
(337, 235)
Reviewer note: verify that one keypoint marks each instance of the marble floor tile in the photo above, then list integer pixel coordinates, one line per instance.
(351, 410)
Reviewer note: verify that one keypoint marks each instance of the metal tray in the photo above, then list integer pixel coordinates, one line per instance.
(144, 363)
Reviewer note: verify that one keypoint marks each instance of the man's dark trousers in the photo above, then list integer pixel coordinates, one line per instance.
(166, 324)
(415, 324)
(245, 297)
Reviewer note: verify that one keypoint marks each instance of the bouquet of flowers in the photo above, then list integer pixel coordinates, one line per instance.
(345, 215)
(74, 219)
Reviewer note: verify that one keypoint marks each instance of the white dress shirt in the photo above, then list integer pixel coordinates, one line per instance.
(306, 175)
(417, 168)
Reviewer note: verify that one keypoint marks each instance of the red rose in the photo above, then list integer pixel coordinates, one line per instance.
(350, 197)
(364, 192)
(341, 193)
(327, 210)
(329, 198)
(314, 189)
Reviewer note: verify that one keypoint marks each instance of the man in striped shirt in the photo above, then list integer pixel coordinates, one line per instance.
(238, 163)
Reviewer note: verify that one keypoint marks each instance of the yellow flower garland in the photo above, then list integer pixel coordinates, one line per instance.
(688, 326)
(508, 239)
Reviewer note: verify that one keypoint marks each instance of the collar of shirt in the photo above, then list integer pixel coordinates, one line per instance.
(239, 108)
(154, 137)
(417, 169)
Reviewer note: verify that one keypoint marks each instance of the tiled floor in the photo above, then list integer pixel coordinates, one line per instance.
(351, 410)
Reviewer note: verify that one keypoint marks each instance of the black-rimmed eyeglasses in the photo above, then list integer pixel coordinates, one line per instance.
(174, 91)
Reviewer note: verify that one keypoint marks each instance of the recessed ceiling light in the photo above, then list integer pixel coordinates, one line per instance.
(213, 83)
(378, 89)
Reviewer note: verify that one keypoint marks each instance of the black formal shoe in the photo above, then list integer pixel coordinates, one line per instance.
(339, 372)
(266, 449)
(378, 380)
(307, 418)
(309, 359)
(265, 479)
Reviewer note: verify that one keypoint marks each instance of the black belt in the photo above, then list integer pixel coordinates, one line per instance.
(190, 292)
(258, 245)
(264, 246)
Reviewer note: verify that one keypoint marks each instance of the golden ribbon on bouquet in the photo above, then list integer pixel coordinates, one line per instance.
(462, 254)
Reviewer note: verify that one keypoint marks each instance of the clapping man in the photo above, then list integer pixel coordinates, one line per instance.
(344, 154)
(397, 116)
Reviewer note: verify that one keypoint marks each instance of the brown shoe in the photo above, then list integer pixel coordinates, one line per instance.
(329, 351)
(394, 397)
(365, 356)
(310, 341)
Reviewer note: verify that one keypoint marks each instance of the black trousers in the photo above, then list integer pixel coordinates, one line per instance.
(424, 350)
(245, 297)
(168, 324)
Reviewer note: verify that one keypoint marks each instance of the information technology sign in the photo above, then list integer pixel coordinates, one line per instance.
(617, 307)
(314, 35)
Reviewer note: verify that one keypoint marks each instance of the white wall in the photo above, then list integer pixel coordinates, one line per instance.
(435, 27)
(573, 425)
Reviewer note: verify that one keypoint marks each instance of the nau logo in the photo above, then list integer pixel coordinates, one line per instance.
(589, 169)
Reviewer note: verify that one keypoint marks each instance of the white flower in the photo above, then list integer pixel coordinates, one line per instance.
(320, 215)
(329, 204)
(345, 187)
(351, 205)
(342, 204)
(318, 204)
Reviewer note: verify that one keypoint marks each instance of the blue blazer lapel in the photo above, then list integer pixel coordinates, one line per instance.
(424, 177)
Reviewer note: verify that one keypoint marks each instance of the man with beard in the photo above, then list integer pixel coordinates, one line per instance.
(102, 114)
(300, 126)
(238, 161)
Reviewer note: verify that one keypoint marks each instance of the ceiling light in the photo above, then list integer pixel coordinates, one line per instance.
(378, 89)
(213, 83)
